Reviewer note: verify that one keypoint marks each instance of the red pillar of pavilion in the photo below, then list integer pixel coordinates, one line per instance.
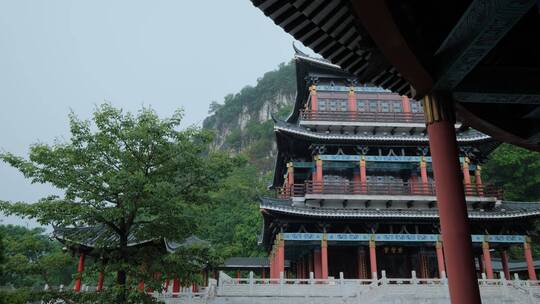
(351, 104)
(504, 262)
(529, 259)
(176, 286)
(424, 175)
(363, 175)
(456, 234)
(440, 258)
(313, 95)
(80, 270)
(373, 259)
(290, 179)
(317, 263)
(478, 180)
(487, 260)
(318, 181)
(324, 258)
(99, 286)
(280, 257)
(466, 176)
(406, 104)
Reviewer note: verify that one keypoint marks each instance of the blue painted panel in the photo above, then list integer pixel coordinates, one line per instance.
(396, 237)
(372, 158)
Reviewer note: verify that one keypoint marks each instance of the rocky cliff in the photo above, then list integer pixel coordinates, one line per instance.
(242, 122)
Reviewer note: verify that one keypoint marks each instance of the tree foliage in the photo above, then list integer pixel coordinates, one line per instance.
(517, 170)
(134, 175)
(32, 259)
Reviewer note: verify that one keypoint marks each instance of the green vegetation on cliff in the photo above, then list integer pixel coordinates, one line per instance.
(243, 124)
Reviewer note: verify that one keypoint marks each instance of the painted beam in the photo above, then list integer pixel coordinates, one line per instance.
(477, 32)
(348, 237)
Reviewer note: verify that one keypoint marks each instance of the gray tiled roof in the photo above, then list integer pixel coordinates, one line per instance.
(505, 210)
(469, 136)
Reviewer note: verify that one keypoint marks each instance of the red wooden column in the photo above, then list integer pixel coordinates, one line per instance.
(318, 177)
(487, 260)
(324, 258)
(456, 234)
(317, 263)
(362, 264)
(290, 179)
(313, 100)
(280, 256)
(504, 262)
(80, 270)
(466, 176)
(373, 259)
(176, 286)
(478, 180)
(99, 286)
(440, 259)
(363, 174)
(406, 105)
(424, 175)
(529, 259)
(351, 104)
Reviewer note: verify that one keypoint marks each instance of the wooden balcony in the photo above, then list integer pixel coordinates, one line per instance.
(380, 189)
(346, 116)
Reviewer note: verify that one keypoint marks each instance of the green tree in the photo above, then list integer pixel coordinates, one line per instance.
(32, 259)
(131, 174)
(234, 222)
(517, 170)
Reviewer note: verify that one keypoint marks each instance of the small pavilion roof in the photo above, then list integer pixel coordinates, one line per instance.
(91, 237)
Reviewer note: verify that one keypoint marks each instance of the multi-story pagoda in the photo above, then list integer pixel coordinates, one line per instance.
(356, 192)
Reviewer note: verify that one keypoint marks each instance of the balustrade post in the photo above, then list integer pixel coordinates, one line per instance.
(414, 279)
(311, 278)
(251, 282)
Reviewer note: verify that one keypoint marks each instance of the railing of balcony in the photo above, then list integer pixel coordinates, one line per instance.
(380, 188)
(362, 116)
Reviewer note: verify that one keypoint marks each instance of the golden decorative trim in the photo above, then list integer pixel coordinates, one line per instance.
(313, 89)
(438, 108)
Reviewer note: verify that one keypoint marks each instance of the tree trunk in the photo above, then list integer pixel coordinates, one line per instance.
(121, 278)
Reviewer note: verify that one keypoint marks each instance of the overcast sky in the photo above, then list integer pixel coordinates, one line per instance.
(61, 55)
